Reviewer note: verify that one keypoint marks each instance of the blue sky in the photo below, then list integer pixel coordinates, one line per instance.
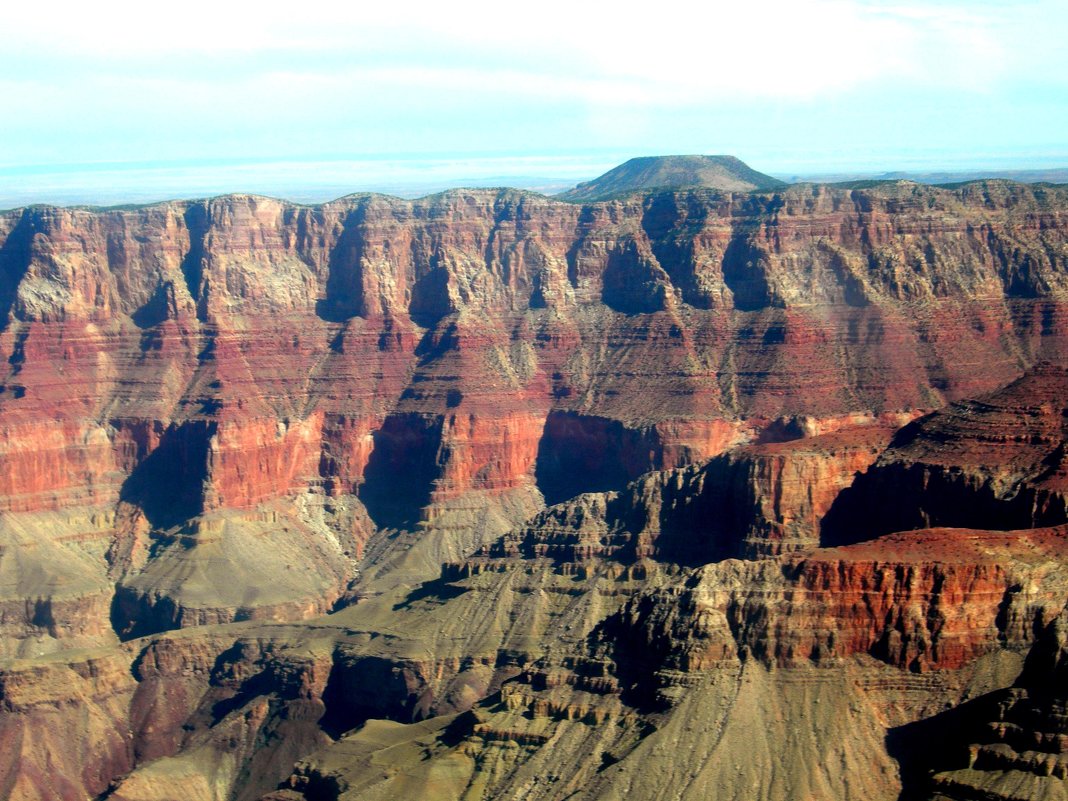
(169, 98)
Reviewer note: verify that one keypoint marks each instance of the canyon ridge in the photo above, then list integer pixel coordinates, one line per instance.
(685, 484)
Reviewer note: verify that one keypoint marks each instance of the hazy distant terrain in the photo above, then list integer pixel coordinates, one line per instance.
(651, 173)
(296, 180)
(1047, 175)
(302, 181)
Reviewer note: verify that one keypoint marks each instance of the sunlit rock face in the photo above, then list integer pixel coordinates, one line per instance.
(567, 475)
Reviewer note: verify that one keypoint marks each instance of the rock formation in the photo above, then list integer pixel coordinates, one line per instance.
(653, 173)
(489, 495)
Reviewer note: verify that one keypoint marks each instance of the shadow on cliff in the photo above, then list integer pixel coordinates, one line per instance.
(15, 256)
(344, 281)
(936, 743)
(916, 496)
(668, 221)
(438, 591)
(633, 282)
(745, 273)
(1026, 716)
(363, 687)
(401, 470)
(582, 453)
(198, 222)
(168, 484)
(134, 614)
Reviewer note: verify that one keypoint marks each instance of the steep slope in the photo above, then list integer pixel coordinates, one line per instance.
(231, 416)
(997, 461)
(659, 173)
(1016, 745)
(553, 669)
(445, 364)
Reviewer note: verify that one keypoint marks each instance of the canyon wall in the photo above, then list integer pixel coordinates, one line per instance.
(400, 363)
(583, 487)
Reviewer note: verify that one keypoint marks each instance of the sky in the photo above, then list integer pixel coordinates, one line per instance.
(128, 101)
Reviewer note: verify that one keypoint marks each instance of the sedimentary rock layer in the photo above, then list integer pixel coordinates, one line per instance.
(233, 415)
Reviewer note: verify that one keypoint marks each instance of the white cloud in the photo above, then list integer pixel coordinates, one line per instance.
(118, 79)
(673, 52)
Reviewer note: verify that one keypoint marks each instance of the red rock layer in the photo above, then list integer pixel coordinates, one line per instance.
(925, 600)
(191, 358)
(756, 500)
(252, 462)
(681, 310)
(997, 461)
(775, 496)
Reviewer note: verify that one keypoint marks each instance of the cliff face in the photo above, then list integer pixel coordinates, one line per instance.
(398, 361)
(1017, 742)
(994, 461)
(755, 500)
(234, 415)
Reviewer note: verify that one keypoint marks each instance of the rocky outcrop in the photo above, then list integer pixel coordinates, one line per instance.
(64, 725)
(829, 652)
(79, 727)
(755, 500)
(567, 667)
(1006, 744)
(653, 173)
(232, 416)
(452, 361)
(268, 565)
(932, 599)
(997, 461)
(54, 589)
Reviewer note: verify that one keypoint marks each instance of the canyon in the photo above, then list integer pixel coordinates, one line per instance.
(684, 493)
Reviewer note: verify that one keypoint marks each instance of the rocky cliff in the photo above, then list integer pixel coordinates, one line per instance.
(583, 487)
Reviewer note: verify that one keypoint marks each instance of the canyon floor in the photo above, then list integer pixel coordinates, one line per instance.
(746, 492)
